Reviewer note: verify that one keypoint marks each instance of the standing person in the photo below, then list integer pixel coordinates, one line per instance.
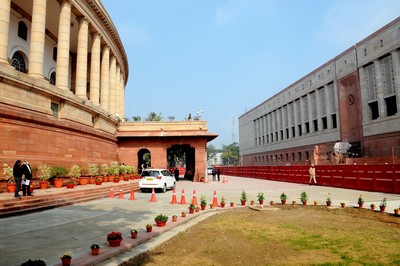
(218, 173)
(17, 172)
(214, 173)
(176, 174)
(312, 174)
(27, 171)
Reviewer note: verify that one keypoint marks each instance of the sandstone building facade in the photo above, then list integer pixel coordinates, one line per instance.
(354, 98)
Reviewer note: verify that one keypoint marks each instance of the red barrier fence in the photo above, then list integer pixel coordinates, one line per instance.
(377, 178)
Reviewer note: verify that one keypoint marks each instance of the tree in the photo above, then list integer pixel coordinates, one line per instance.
(136, 118)
(154, 117)
(211, 152)
(230, 154)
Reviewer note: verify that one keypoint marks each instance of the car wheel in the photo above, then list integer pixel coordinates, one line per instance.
(164, 189)
(174, 185)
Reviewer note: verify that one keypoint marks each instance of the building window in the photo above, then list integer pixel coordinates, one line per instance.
(272, 137)
(307, 127)
(300, 131)
(293, 132)
(287, 133)
(307, 155)
(315, 125)
(281, 134)
(391, 105)
(324, 123)
(299, 156)
(22, 30)
(276, 136)
(18, 62)
(53, 78)
(373, 106)
(334, 122)
(370, 81)
(55, 53)
(54, 109)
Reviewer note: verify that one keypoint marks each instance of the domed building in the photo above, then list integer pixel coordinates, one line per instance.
(63, 71)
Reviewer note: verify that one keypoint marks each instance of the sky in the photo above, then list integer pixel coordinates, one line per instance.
(227, 56)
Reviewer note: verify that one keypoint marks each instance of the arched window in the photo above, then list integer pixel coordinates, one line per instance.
(18, 62)
(22, 30)
(53, 78)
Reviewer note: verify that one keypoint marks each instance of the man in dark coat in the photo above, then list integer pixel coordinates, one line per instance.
(176, 174)
(27, 172)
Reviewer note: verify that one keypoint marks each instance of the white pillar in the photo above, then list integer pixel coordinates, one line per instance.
(82, 58)
(64, 29)
(105, 79)
(38, 28)
(112, 84)
(95, 70)
(5, 7)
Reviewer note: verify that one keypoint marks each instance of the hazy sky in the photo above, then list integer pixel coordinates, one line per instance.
(226, 57)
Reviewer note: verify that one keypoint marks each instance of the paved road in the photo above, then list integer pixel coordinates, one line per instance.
(48, 234)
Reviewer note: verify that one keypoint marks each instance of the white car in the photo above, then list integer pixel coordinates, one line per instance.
(209, 170)
(160, 179)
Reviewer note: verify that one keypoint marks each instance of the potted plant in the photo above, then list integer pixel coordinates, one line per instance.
(95, 249)
(271, 202)
(202, 179)
(261, 198)
(70, 184)
(383, 204)
(114, 239)
(191, 208)
(74, 172)
(252, 202)
(283, 198)
(328, 200)
(360, 201)
(103, 171)
(161, 220)
(56, 173)
(98, 181)
(123, 169)
(397, 211)
(197, 209)
(116, 179)
(294, 203)
(183, 214)
(222, 202)
(149, 228)
(134, 233)
(203, 202)
(211, 206)
(113, 170)
(44, 175)
(343, 204)
(315, 203)
(8, 173)
(304, 198)
(66, 259)
(243, 198)
(372, 206)
(33, 263)
(93, 170)
(174, 218)
(232, 204)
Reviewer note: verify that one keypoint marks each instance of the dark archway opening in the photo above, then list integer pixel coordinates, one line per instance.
(182, 156)
(144, 160)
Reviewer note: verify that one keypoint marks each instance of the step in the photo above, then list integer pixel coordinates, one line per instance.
(58, 197)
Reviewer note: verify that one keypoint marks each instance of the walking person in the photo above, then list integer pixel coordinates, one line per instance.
(17, 172)
(214, 173)
(176, 174)
(26, 184)
(312, 174)
(218, 173)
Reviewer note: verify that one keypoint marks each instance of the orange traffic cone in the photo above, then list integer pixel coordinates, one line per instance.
(194, 200)
(121, 195)
(153, 196)
(132, 194)
(215, 199)
(111, 194)
(183, 198)
(174, 198)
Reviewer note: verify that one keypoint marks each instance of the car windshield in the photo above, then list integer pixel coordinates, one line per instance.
(150, 173)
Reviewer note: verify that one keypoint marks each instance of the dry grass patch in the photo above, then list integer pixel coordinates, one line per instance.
(293, 235)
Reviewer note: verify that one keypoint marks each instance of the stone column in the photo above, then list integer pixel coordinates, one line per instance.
(118, 91)
(310, 113)
(396, 73)
(295, 118)
(302, 116)
(5, 7)
(122, 99)
(95, 70)
(379, 89)
(64, 29)
(327, 107)
(318, 107)
(38, 28)
(112, 84)
(290, 118)
(82, 58)
(105, 79)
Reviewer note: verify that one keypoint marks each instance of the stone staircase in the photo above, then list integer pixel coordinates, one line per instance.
(58, 197)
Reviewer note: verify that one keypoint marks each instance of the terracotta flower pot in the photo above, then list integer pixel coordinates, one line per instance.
(58, 183)
(222, 204)
(161, 223)
(203, 207)
(134, 235)
(243, 202)
(360, 204)
(174, 218)
(191, 210)
(83, 181)
(328, 203)
(382, 208)
(66, 261)
(95, 251)
(304, 203)
(11, 187)
(114, 242)
(271, 202)
(396, 212)
(92, 180)
(183, 214)
(98, 183)
(261, 202)
(149, 229)
(283, 202)
(232, 204)
(43, 184)
(70, 185)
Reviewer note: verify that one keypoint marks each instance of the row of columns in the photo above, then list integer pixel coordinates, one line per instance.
(106, 79)
(287, 121)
